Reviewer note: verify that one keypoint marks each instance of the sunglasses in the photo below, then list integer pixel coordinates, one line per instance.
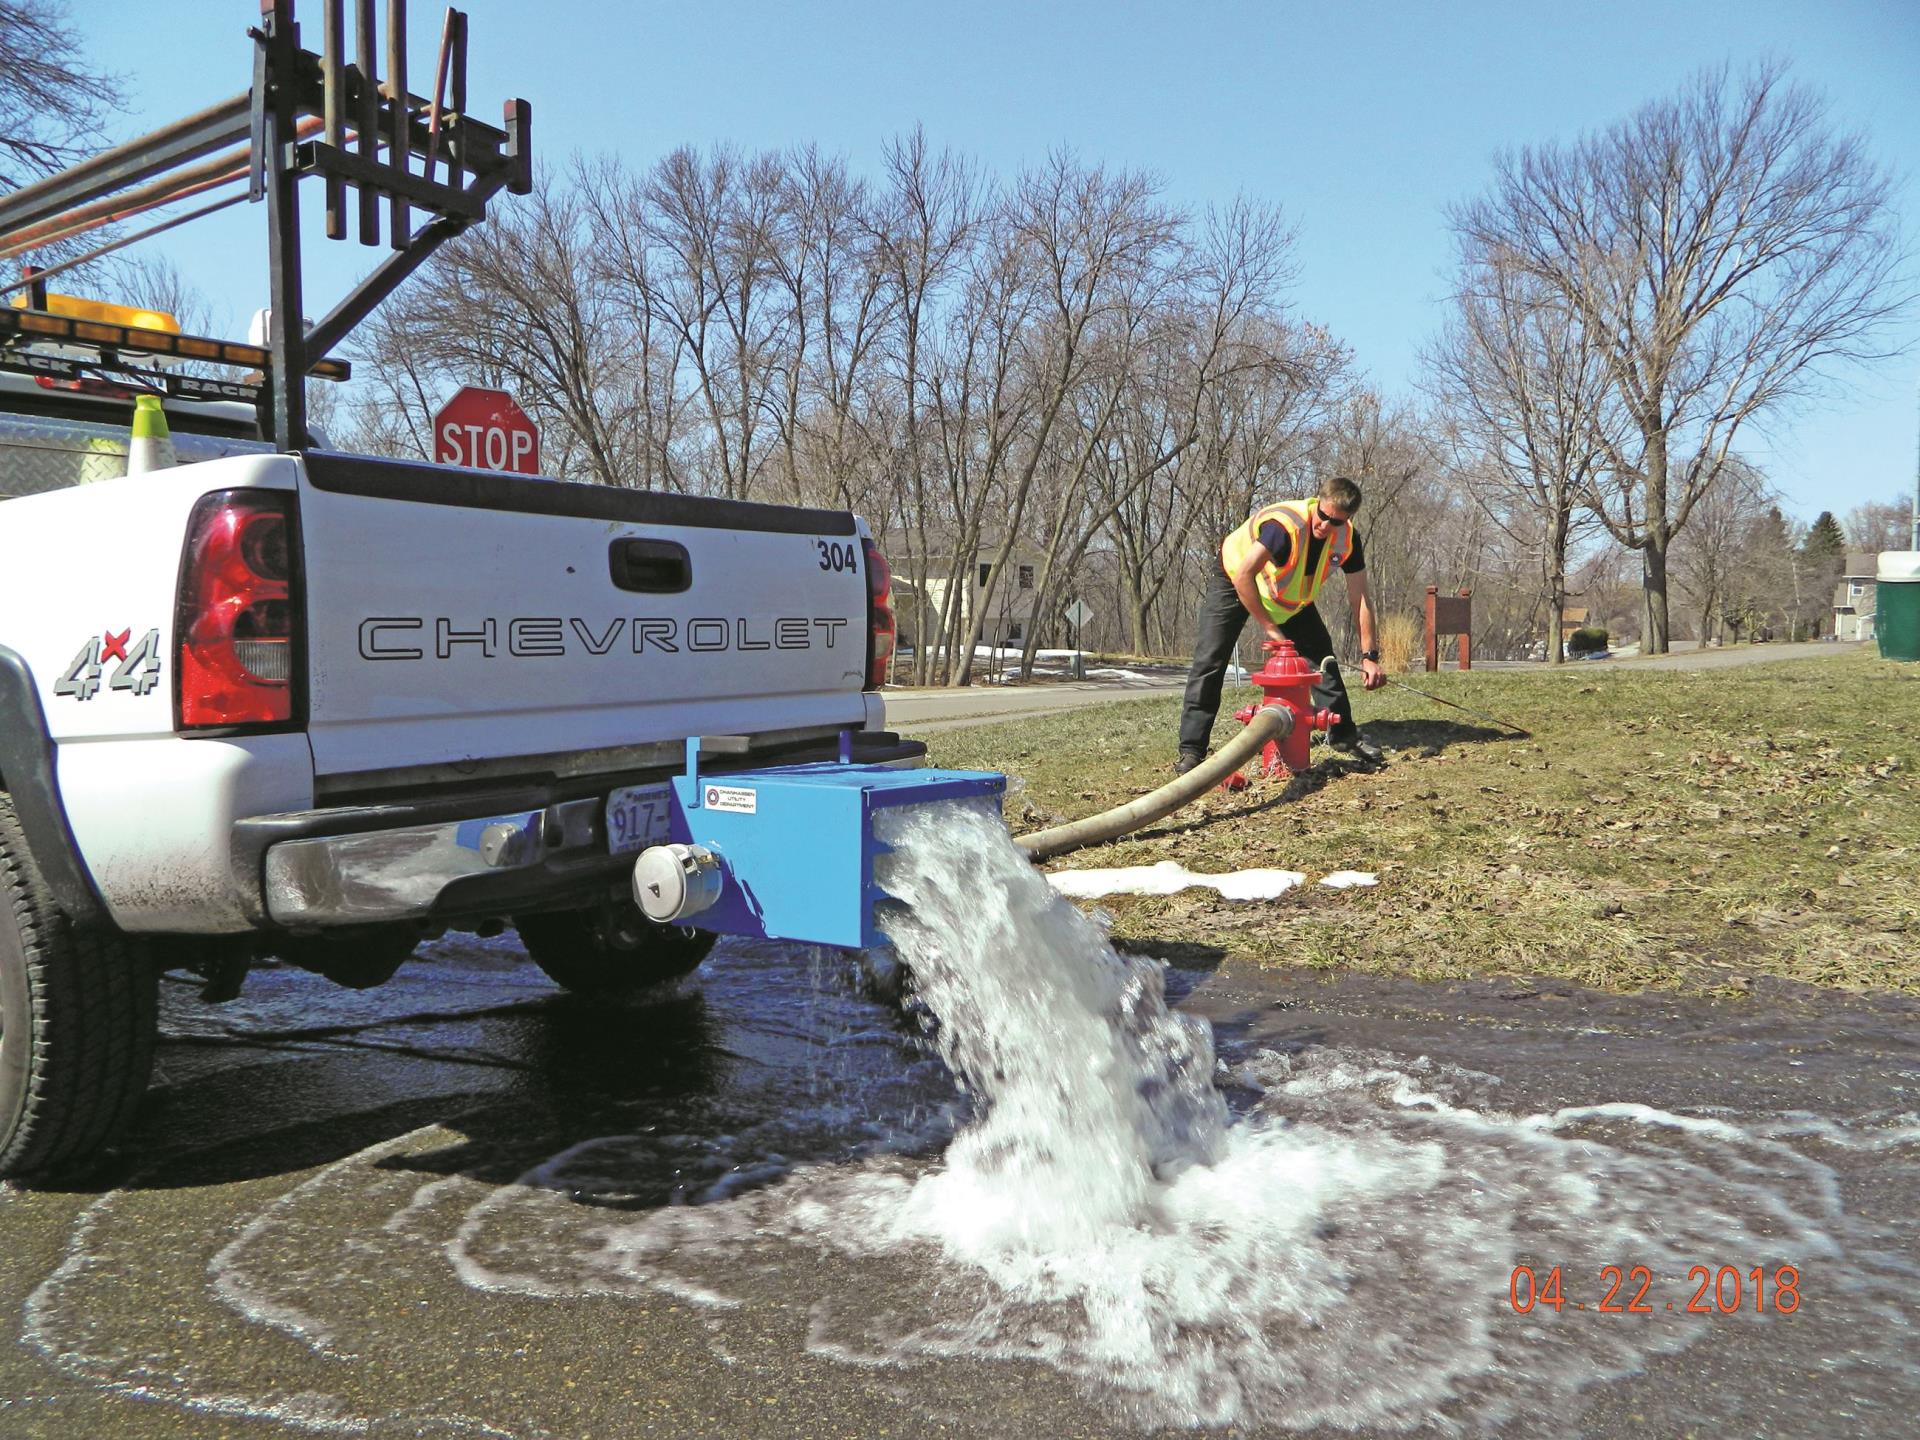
(1321, 517)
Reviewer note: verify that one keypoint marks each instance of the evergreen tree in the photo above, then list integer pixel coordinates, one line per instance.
(1826, 544)
(1823, 560)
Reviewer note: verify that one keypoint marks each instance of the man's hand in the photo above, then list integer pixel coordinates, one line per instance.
(1372, 674)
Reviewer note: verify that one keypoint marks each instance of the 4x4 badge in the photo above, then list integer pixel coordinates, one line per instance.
(138, 671)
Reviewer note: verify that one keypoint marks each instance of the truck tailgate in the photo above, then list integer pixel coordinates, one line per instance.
(460, 616)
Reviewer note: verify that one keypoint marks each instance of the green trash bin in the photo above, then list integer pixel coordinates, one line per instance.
(1897, 605)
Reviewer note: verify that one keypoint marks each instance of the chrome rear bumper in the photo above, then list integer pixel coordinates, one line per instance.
(494, 855)
(402, 873)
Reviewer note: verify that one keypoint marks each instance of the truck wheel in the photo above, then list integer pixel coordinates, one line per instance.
(78, 1018)
(611, 949)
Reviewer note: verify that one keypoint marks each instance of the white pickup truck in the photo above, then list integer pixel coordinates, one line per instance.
(323, 706)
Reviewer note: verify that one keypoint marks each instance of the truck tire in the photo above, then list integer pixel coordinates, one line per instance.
(78, 1019)
(611, 949)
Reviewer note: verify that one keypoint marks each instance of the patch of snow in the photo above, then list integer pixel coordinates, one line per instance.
(1170, 877)
(1349, 880)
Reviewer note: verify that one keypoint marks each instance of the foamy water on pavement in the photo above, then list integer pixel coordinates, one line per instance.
(462, 1205)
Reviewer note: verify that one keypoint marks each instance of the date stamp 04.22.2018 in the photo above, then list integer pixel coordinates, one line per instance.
(1709, 1290)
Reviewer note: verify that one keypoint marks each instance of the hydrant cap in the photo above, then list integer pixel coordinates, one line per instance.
(1285, 665)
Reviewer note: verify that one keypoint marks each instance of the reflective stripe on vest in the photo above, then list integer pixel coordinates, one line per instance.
(1287, 589)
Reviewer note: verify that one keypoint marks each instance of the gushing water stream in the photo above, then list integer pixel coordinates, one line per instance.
(1340, 1254)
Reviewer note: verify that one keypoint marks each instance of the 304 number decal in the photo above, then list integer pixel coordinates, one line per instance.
(138, 669)
(837, 557)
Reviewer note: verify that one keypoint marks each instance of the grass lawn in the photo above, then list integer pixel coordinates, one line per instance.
(1656, 829)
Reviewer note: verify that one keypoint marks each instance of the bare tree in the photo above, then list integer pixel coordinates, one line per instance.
(1721, 247)
(1141, 479)
(980, 409)
(625, 263)
(923, 228)
(53, 101)
(1089, 418)
(1767, 587)
(396, 391)
(1204, 330)
(715, 222)
(1880, 525)
(1148, 335)
(1524, 384)
(836, 285)
(1084, 238)
(1613, 595)
(1410, 525)
(1261, 417)
(1711, 559)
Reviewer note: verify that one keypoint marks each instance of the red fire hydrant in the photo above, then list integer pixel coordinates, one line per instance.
(1286, 680)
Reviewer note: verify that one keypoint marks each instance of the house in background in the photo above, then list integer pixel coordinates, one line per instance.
(1853, 598)
(1572, 618)
(1011, 607)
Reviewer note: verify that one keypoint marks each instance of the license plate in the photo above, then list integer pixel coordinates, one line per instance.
(637, 817)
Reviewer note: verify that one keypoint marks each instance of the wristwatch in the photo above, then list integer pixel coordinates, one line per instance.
(1373, 655)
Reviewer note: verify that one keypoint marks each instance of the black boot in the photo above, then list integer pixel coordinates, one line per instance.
(1357, 747)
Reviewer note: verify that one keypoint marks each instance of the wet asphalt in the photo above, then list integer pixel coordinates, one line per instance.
(342, 1212)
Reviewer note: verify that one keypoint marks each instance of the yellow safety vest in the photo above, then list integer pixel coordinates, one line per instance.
(1287, 589)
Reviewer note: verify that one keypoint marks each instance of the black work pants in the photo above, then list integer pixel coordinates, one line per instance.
(1222, 618)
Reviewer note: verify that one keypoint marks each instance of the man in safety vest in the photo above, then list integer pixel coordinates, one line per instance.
(1271, 568)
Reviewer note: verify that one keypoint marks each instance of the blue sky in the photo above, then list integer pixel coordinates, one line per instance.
(1362, 120)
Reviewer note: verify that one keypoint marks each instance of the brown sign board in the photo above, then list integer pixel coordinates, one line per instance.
(1449, 615)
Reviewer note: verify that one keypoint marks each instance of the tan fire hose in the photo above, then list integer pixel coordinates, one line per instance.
(1270, 722)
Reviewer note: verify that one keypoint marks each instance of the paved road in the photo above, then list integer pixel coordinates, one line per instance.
(1696, 658)
(467, 1206)
(925, 712)
(1685, 655)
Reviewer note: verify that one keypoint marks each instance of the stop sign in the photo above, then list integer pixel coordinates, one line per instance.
(486, 430)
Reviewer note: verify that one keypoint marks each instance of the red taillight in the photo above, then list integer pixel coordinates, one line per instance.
(237, 624)
(880, 623)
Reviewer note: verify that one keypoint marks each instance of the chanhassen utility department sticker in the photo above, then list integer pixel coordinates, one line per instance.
(734, 799)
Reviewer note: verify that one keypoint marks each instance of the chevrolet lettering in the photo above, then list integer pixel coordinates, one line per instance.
(441, 637)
